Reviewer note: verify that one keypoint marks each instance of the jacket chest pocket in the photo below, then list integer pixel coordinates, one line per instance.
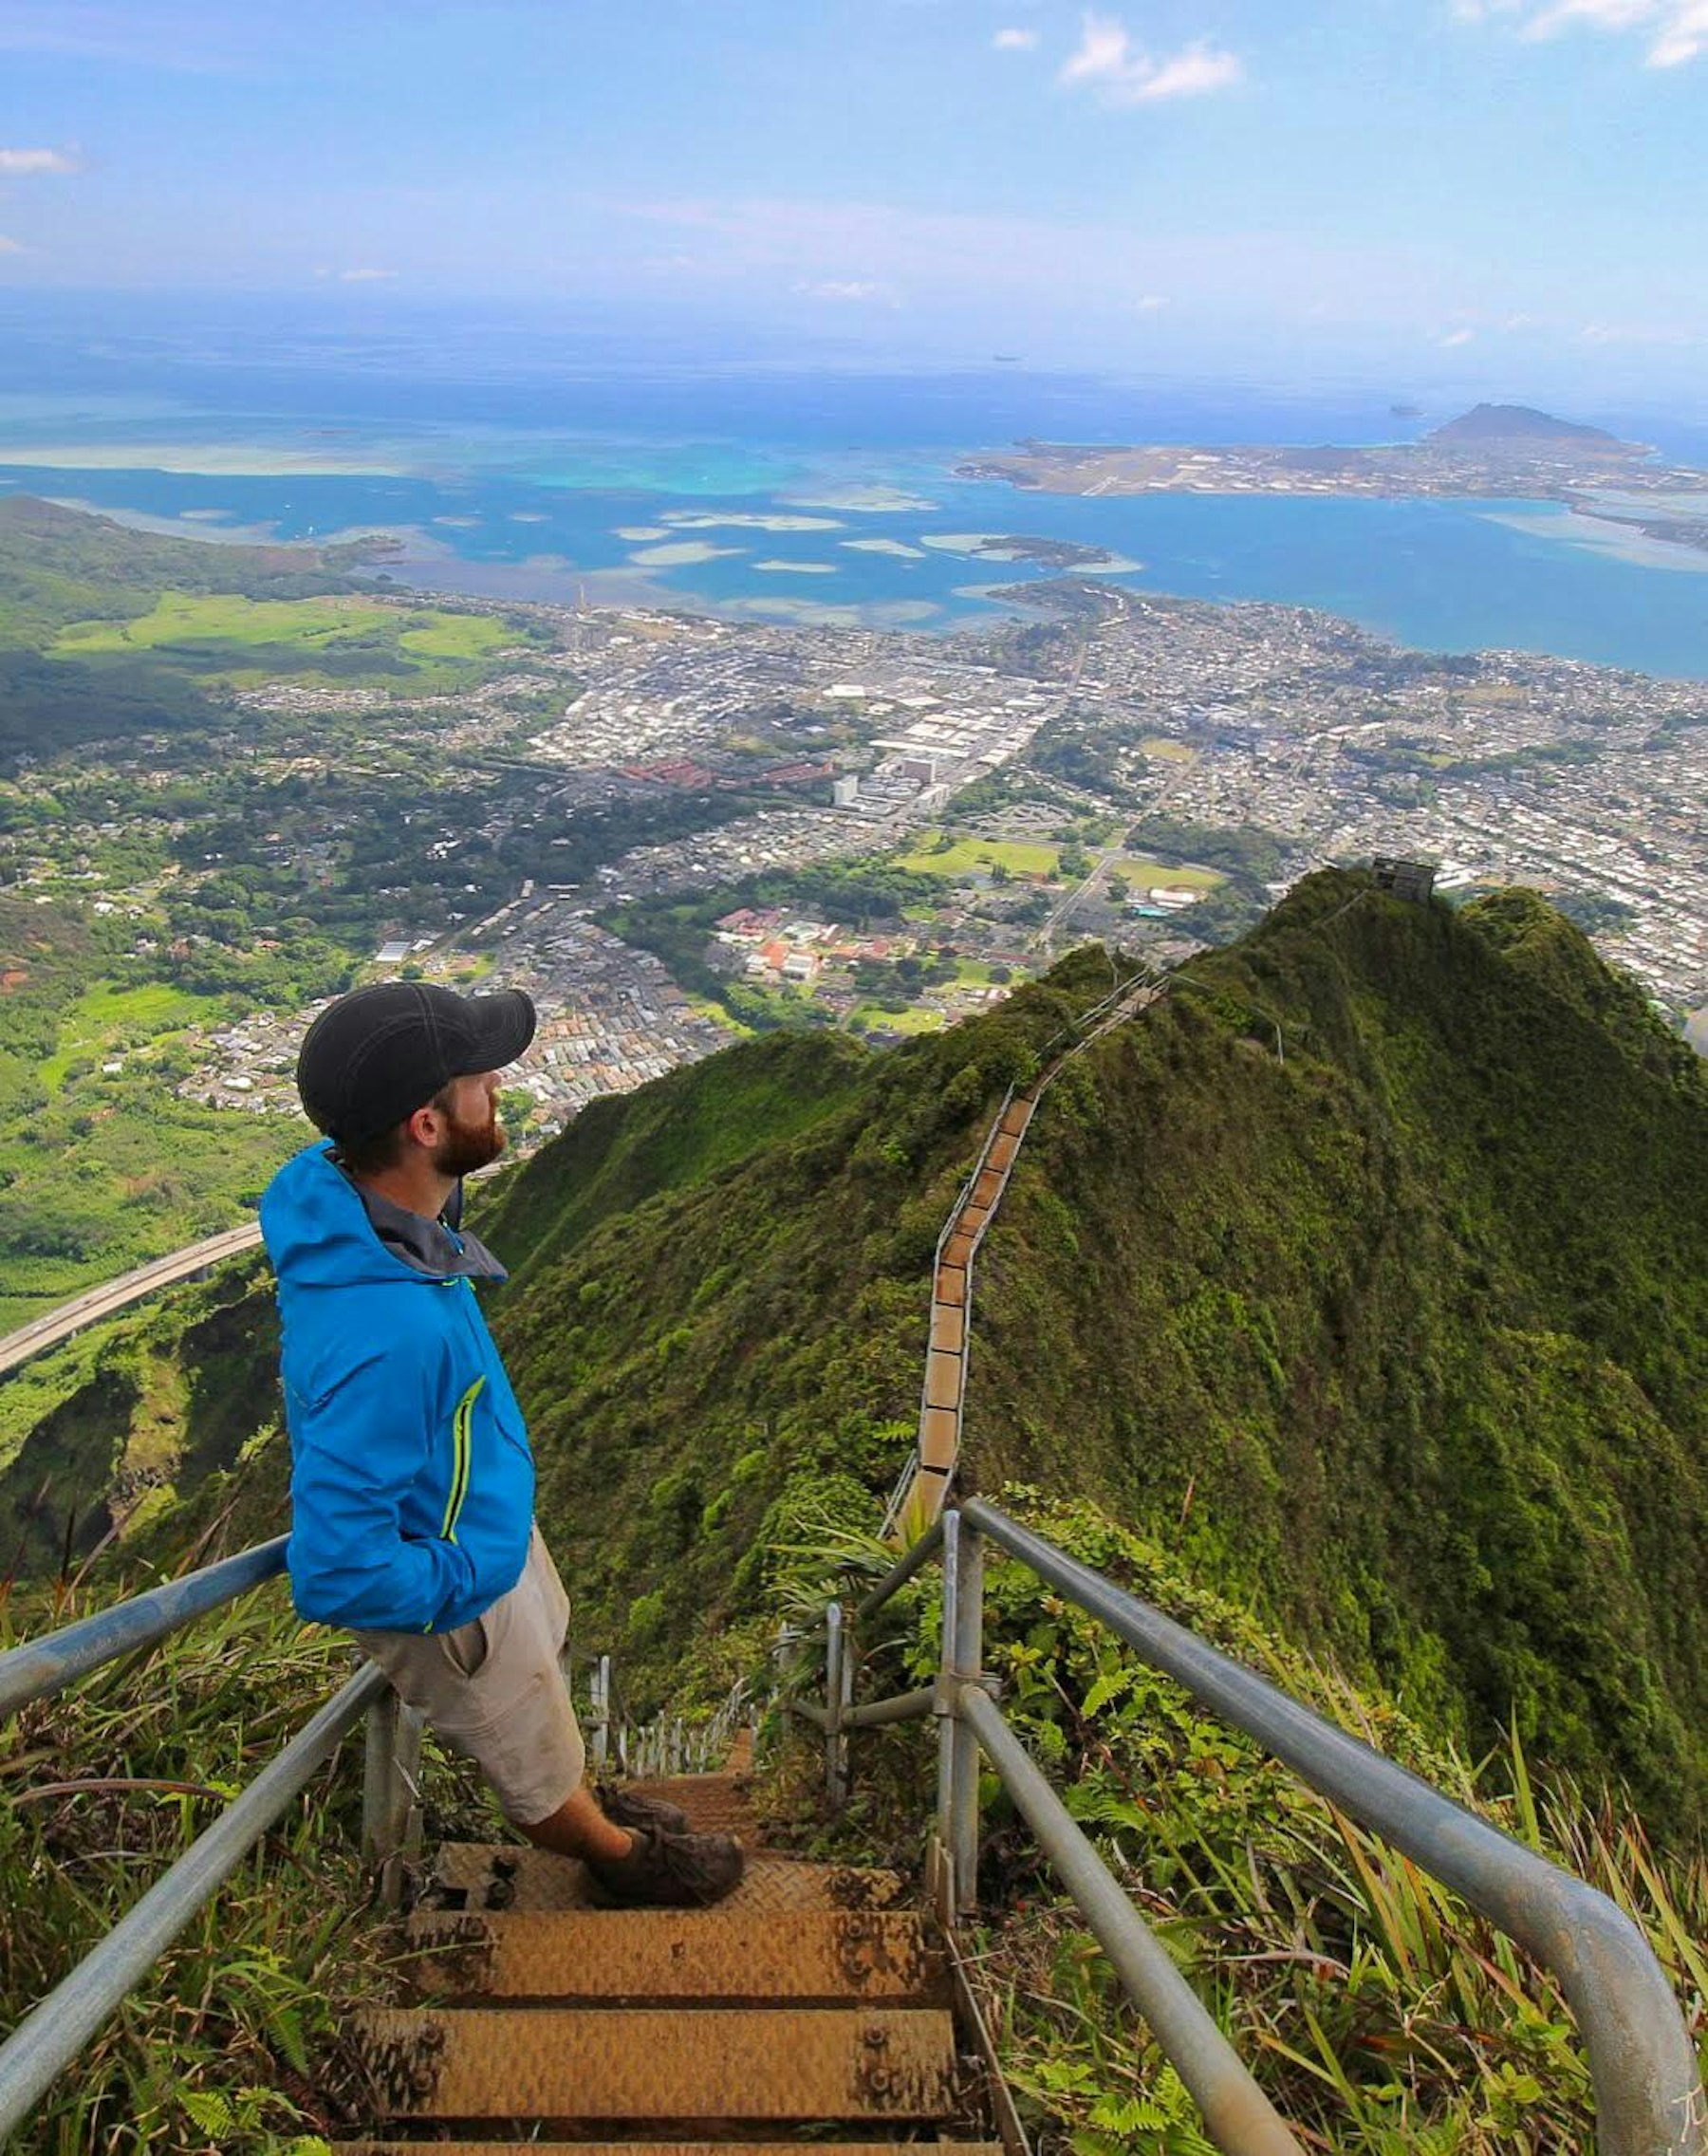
(462, 1424)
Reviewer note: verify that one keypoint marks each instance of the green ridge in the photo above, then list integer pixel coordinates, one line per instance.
(1396, 1336)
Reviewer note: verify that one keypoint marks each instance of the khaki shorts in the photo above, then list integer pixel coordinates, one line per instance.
(493, 1690)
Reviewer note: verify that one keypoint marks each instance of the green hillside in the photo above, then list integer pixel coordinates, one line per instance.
(1395, 1336)
(107, 632)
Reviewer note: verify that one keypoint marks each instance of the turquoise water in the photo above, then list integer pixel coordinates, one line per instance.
(510, 471)
(1440, 575)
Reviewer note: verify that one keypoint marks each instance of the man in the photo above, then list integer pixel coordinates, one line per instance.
(412, 1483)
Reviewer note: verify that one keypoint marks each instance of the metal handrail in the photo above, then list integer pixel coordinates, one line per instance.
(54, 2032)
(1648, 2093)
(52, 2035)
(918, 1557)
(1237, 2113)
(46, 1665)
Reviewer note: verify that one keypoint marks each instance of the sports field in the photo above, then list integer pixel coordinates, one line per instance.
(1142, 869)
(972, 857)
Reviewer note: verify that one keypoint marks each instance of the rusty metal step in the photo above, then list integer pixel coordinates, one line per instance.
(490, 1876)
(678, 1955)
(824, 2063)
(775, 2148)
(715, 1804)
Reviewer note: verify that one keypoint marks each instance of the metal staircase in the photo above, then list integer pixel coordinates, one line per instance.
(812, 2002)
(815, 2001)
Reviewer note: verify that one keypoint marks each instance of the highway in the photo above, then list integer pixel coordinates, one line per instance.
(97, 1303)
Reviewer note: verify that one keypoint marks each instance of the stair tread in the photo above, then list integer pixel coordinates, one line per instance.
(529, 1879)
(724, 1953)
(775, 2148)
(721, 1815)
(644, 2063)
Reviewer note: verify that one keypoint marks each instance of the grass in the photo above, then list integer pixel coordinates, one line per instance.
(970, 856)
(232, 2041)
(104, 1020)
(1163, 750)
(975, 856)
(1145, 868)
(249, 640)
(120, 1173)
(915, 1019)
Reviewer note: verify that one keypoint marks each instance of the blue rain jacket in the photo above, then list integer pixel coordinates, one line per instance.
(412, 1485)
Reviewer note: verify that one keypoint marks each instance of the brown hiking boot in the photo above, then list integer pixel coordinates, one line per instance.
(669, 1871)
(628, 1808)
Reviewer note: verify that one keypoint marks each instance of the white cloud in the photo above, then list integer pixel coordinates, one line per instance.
(20, 163)
(11, 246)
(365, 276)
(1633, 333)
(1013, 41)
(1675, 31)
(1454, 336)
(1192, 73)
(1120, 74)
(1681, 37)
(845, 290)
(1150, 303)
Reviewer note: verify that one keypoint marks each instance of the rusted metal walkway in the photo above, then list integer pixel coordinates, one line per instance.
(813, 2005)
(921, 1494)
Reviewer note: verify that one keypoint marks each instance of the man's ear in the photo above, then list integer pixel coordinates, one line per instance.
(423, 1126)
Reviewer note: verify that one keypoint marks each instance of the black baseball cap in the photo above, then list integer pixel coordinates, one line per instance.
(376, 1056)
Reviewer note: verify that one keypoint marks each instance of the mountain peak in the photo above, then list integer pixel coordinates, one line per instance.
(1524, 423)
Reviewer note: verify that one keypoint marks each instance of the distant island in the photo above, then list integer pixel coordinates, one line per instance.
(1493, 451)
(1044, 553)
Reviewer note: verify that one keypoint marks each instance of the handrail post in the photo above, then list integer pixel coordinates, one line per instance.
(968, 1667)
(837, 1674)
(845, 1765)
(377, 1805)
(601, 1711)
(949, 1892)
(390, 1787)
(410, 1726)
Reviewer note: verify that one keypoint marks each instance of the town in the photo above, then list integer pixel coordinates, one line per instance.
(633, 820)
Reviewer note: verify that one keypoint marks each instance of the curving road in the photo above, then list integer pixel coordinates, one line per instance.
(96, 1303)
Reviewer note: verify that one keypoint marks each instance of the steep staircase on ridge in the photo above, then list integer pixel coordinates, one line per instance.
(921, 1495)
(812, 2005)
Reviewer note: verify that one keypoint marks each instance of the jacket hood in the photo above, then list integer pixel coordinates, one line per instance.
(317, 1232)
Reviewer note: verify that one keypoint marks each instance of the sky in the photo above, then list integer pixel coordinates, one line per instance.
(1494, 191)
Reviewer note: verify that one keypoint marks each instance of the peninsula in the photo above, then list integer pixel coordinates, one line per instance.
(1494, 452)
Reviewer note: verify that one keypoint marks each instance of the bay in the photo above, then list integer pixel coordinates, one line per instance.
(796, 490)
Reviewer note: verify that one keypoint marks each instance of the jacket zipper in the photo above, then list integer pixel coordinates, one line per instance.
(460, 1450)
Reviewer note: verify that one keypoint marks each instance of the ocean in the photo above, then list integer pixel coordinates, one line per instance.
(779, 486)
